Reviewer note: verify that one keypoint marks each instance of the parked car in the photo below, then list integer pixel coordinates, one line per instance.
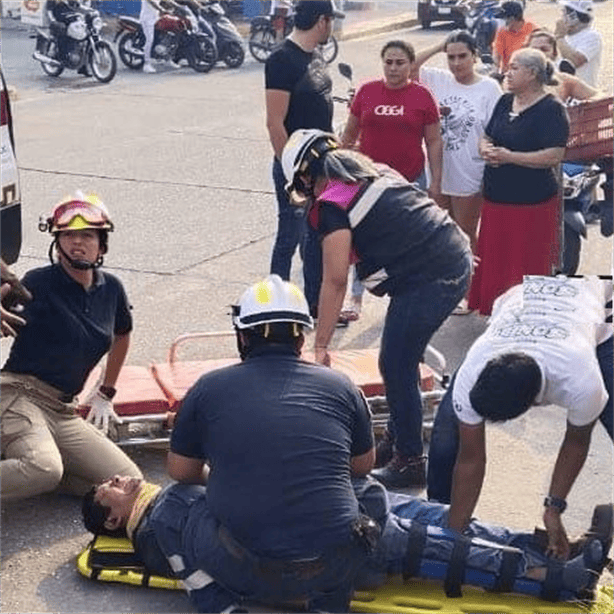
(441, 10)
(10, 205)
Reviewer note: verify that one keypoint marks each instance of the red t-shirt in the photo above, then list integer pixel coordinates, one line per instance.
(392, 124)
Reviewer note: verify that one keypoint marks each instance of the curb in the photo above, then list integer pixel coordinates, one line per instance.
(368, 29)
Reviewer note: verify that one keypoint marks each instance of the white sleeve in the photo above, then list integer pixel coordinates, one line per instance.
(588, 45)
(494, 94)
(463, 383)
(431, 76)
(585, 404)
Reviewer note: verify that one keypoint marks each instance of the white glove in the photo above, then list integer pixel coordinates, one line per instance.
(101, 411)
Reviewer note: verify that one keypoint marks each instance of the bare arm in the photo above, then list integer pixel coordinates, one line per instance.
(434, 152)
(277, 103)
(115, 359)
(351, 131)
(542, 158)
(426, 54)
(361, 465)
(336, 248)
(569, 462)
(468, 475)
(565, 49)
(577, 89)
(186, 470)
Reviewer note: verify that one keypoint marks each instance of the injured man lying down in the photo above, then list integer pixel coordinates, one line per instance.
(413, 541)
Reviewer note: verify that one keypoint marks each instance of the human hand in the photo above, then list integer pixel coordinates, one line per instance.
(322, 357)
(558, 544)
(560, 28)
(101, 411)
(8, 320)
(16, 292)
(496, 156)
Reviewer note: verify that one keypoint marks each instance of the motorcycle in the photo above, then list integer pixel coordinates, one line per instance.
(176, 37)
(263, 38)
(481, 21)
(76, 45)
(228, 41)
(581, 207)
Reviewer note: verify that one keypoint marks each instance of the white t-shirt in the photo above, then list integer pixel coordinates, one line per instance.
(558, 321)
(149, 13)
(587, 42)
(465, 112)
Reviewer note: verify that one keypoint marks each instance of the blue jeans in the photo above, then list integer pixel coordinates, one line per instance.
(181, 532)
(411, 320)
(484, 557)
(293, 231)
(445, 439)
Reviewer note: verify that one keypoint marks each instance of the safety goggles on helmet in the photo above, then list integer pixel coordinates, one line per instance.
(304, 150)
(272, 300)
(78, 213)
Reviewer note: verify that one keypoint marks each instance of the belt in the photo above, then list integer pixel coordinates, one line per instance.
(276, 569)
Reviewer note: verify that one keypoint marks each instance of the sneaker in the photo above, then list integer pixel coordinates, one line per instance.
(384, 449)
(402, 472)
(149, 68)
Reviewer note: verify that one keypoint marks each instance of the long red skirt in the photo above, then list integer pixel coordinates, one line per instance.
(514, 240)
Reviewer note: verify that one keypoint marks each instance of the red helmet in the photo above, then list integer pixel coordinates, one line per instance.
(77, 213)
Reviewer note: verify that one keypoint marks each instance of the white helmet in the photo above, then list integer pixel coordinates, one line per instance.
(302, 149)
(272, 300)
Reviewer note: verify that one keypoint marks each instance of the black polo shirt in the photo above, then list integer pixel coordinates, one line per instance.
(279, 434)
(68, 329)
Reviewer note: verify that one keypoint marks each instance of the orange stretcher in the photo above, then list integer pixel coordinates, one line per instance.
(148, 397)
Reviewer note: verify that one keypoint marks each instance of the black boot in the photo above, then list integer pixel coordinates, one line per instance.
(403, 472)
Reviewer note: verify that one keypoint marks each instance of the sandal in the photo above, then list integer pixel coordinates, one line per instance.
(349, 315)
(462, 309)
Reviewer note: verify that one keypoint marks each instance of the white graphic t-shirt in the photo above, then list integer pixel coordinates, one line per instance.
(465, 111)
(558, 321)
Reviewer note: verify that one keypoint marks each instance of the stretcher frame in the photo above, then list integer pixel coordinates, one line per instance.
(149, 397)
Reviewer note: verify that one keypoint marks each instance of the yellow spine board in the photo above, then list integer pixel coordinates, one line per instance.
(395, 597)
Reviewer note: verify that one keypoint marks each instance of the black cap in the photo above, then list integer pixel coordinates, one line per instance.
(511, 9)
(315, 8)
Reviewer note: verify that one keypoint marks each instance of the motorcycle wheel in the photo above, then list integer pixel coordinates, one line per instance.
(572, 244)
(202, 55)
(330, 50)
(261, 44)
(235, 55)
(52, 51)
(102, 62)
(129, 42)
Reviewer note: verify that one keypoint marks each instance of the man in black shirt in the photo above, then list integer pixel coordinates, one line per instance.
(298, 95)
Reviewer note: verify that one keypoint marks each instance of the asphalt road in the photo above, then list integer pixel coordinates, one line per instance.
(183, 162)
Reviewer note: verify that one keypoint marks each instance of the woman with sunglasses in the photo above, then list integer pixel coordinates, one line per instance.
(391, 118)
(77, 314)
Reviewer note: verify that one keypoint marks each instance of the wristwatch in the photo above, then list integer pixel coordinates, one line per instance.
(107, 391)
(556, 503)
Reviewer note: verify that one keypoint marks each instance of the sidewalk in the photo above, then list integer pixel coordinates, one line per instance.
(376, 19)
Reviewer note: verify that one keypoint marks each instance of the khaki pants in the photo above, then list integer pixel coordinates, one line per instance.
(46, 445)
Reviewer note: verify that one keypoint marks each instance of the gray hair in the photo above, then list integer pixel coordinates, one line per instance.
(348, 166)
(536, 61)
